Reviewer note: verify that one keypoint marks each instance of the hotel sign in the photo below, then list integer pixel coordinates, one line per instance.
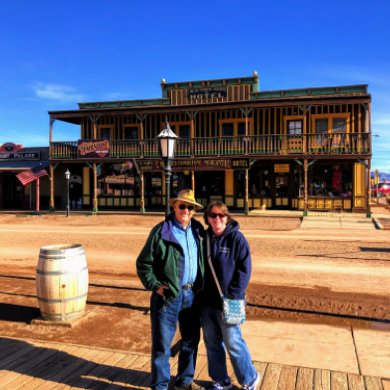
(94, 148)
(195, 165)
(206, 93)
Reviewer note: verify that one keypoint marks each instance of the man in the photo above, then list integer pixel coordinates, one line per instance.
(171, 266)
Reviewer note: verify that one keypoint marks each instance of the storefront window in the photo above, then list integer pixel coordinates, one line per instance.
(105, 132)
(260, 182)
(241, 128)
(339, 124)
(228, 129)
(180, 181)
(330, 180)
(131, 132)
(240, 184)
(184, 131)
(321, 125)
(155, 188)
(115, 181)
(294, 127)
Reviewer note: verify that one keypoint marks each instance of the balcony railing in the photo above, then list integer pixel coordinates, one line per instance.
(338, 143)
(273, 144)
(66, 149)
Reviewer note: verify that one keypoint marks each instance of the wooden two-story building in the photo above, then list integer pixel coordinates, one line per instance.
(303, 149)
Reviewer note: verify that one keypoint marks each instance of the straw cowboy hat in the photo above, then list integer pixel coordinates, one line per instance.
(186, 196)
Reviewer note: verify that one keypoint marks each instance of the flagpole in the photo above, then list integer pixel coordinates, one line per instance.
(37, 195)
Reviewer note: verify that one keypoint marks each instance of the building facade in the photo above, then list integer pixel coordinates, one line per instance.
(299, 149)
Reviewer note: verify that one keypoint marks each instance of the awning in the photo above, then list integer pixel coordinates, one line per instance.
(21, 165)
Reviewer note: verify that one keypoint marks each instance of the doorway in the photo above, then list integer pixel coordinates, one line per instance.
(13, 191)
(281, 186)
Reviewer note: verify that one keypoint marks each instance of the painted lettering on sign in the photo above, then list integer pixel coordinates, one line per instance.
(20, 156)
(194, 165)
(206, 93)
(240, 163)
(282, 168)
(93, 148)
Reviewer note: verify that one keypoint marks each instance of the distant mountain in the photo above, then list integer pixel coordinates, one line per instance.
(382, 176)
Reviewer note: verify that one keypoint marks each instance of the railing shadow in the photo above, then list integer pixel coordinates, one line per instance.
(23, 363)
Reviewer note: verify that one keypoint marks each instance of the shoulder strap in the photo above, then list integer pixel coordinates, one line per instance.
(208, 248)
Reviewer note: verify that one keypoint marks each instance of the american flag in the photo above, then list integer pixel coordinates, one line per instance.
(35, 173)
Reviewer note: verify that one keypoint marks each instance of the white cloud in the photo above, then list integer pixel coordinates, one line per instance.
(62, 93)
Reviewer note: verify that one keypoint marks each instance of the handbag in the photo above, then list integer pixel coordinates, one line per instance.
(233, 310)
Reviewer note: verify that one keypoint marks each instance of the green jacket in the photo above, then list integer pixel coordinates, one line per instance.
(159, 261)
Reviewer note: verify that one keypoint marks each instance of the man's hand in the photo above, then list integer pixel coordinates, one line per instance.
(160, 291)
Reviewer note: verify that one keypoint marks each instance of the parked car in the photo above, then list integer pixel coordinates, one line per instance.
(381, 188)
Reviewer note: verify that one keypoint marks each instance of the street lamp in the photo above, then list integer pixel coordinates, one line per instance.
(67, 175)
(167, 144)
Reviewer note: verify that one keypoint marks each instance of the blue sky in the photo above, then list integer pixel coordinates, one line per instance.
(55, 54)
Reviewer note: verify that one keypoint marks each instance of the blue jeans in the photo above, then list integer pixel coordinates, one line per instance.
(217, 334)
(164, 319)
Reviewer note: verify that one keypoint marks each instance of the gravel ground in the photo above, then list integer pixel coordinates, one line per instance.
(337, 276)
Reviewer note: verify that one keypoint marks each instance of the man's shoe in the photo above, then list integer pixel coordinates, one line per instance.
(191, 386)
(226, 385)
(252, 385)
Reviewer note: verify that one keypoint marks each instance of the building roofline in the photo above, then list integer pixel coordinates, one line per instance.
(77, 115)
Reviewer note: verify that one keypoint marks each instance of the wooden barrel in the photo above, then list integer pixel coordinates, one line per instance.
(62, 282)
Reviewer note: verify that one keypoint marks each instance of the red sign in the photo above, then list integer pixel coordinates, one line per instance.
(9, 147)
(94, 148)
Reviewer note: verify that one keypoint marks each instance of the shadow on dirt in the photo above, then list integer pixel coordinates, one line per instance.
(18, 313)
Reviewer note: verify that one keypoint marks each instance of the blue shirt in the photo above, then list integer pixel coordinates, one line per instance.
(186, 239)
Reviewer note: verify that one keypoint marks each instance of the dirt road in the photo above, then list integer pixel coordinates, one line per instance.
(341, 272)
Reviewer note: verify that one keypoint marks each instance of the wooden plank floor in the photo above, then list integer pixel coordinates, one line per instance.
(28, 365)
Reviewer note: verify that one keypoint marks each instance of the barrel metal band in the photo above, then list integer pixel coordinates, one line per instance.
(61, 316)
(64, 272)
(62, 300)
(61, 251)
(58, 257)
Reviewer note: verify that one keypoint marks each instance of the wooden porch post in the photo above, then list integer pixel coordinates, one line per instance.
(246, 130)
(192, 133)
(142, 136)
(52, 208)
(94, 128)
(37, 196)
(51, 134)
(142, 193)
(305, 202)
(95, 205)
(304, 146)
(193, 181)
(368, 184)
(246, 191)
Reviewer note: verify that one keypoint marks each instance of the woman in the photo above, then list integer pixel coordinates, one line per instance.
(231, 259)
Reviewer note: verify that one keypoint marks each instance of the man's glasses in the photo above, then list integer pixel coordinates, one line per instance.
(186, 206)
(215, 215)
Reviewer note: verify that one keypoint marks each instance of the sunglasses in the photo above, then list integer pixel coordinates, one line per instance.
(185, 206)
(215, 215)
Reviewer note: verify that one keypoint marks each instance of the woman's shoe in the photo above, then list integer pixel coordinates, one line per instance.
(252, 385)
(226, 385)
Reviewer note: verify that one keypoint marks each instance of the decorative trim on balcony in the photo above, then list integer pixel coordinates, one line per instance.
(126, 103)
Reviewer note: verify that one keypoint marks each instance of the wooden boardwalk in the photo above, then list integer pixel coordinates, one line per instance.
(45, 366)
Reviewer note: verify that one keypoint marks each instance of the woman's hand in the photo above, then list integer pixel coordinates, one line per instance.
(160, 291)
